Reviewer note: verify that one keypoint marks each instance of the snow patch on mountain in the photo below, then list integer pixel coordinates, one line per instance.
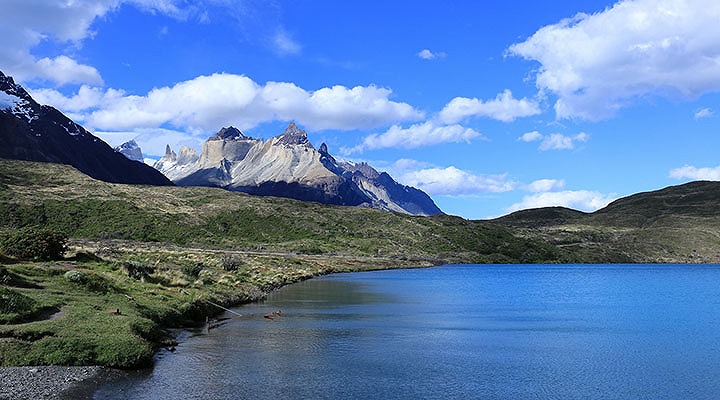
(289, 166)
(131, 150)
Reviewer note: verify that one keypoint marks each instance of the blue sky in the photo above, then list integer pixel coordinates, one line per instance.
(490, 107)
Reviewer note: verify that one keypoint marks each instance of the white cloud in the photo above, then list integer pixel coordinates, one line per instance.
(503, 108)
(284, 44)
(25, 24)
(583, 200)
(87, 97)
(554, 141)
(704, 113)
(696, 174)
(530, 136)
(451, 181)
(418, 135)
(546, 185)
(206, 103)
(64, 70)
(597, 64)
(557, 141)
(426, 54)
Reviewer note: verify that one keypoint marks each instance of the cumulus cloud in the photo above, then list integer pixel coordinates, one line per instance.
(696, 174)
(208, 102)
(530, 136)
(704, 113)
(448, 181)
(423, 134)
(597, 64)
(24, 25)
(503, 108)
(583, 200)
(554, 141)
(426, 54)
(546, 185)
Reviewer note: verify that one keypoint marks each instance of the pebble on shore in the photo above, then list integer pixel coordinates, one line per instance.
(46, 382)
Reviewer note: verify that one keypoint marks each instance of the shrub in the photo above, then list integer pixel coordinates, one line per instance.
(76, 277)
(138, 270)
(231, 263)
(192, 270)
(35, 243)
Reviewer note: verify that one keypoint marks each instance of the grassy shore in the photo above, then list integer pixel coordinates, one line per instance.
(111, 302)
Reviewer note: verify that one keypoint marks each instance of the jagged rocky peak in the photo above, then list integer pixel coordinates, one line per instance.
(170, 154)
(293, 136)
(365, 169)
(187, 155)
(131, 150)
(8, 85)
(323, 148)
(229, 133)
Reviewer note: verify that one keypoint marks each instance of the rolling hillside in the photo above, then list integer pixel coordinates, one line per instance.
(677, 224)
(61, 198)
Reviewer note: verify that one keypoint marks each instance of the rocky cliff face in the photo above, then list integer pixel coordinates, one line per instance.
(289, 166)
(33, 132)
(131, 150)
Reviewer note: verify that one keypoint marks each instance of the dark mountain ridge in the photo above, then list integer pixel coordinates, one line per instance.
(33, 132)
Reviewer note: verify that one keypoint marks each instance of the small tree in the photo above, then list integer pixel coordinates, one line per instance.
(36, 244)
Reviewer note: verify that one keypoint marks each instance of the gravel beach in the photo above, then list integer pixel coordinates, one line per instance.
(51, 382)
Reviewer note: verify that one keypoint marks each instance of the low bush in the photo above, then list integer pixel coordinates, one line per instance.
(35, 243)
(231, 263)
(138, 270)
(192, 270)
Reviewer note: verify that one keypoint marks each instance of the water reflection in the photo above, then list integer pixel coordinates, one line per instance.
(456, 332)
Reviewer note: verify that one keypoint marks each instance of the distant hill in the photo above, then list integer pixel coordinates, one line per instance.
(60, 197)
(33, 132)
(675, 224)
(289, 166)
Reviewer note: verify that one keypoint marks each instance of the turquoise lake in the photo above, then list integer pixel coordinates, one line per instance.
(460, 332)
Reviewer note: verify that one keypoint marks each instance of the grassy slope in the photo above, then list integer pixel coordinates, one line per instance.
(58, 197)
(188, 235)
(678, 224)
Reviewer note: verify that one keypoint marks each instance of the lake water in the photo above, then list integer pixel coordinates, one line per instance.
(470, 331)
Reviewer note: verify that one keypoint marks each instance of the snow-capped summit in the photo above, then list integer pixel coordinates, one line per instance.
(33, 132)
(131, 150)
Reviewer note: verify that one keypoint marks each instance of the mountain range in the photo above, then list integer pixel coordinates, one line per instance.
(288, 165)
(33, 132)
(284, 166)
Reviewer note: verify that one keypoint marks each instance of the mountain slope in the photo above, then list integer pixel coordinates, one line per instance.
(59, 197)
(675, 224)
(289, 166)
(34, 132)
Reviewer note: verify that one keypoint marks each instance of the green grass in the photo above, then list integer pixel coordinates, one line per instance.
(87, 331)
(214, 218)
(163, 255)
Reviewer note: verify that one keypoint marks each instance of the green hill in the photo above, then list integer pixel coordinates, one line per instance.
(59, 197)
(146, 258)
(677, 224)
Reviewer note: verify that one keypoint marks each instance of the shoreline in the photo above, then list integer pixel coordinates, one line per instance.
(50, 382)
(81, 382)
